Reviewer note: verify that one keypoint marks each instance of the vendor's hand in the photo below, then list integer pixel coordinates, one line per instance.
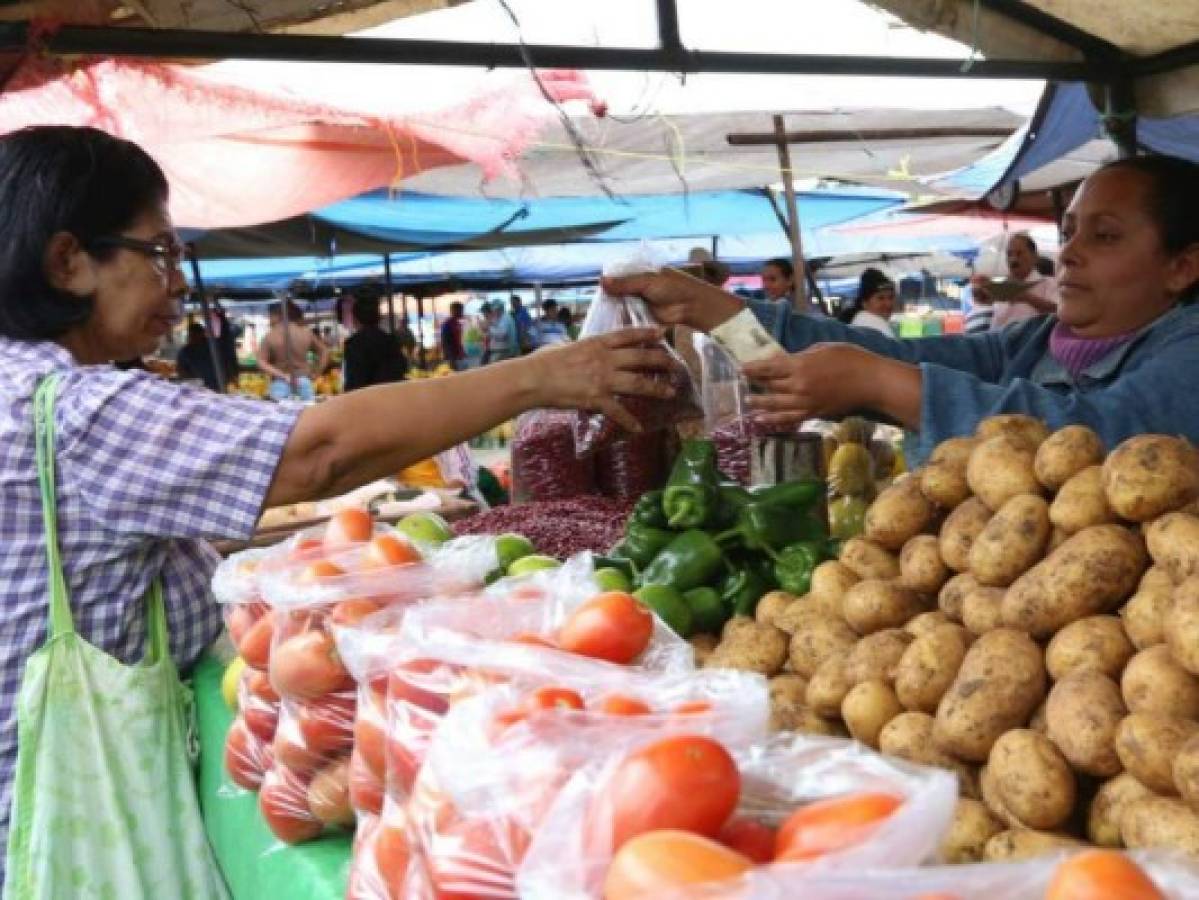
(980, 290)
(676, 298)
(824, 381)
(589, 374)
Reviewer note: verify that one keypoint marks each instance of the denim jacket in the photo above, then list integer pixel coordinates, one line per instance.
(1143, 386)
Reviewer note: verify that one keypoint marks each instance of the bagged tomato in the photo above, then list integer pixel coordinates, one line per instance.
(501, 760)
(247, 757)
(299, 805)
(834, 805)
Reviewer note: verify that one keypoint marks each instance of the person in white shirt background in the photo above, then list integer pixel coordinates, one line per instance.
(1038, 299)
(874, 304)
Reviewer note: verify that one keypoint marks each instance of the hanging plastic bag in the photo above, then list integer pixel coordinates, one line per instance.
(570, 854)
(544, 464)
(609, 313)
(727, 419)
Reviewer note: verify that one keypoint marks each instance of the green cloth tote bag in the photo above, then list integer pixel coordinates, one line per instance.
(104, 804)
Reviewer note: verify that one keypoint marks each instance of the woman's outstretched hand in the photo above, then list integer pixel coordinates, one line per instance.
(591, 373)
(676, 298)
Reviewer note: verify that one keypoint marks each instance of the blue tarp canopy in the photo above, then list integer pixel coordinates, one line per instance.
(1066, 121)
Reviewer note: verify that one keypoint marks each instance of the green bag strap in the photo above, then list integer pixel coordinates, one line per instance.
(61, 620)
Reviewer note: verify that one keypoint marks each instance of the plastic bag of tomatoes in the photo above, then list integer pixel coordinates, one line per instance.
(793, 800)
(501, 760)
(1097, 874)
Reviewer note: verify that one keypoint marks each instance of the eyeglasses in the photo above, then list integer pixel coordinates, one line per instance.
(166, 255)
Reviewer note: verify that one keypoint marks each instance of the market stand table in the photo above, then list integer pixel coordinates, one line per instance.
(256, 865)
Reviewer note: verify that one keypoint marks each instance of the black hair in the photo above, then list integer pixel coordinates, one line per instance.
(196, 334)
(366, 309)
(1027, 238)
(782, 264)
(56, 178)
(565, 316)
(457, 308)
(1173, 195)
(548, 306)
(869, 282)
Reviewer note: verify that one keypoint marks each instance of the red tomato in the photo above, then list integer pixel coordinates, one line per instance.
(686, 782)
(368, 741)
(386, 550)
(246, 757)
(307, 548)
(424, 683)
(283, 802)
(1101, 875)
(327, 725)
(366, 788)
(255, 645)
(348, 527)
(329, 795)
(473, 858)
(834, 824)
(661, 863)
(295, 756)
(314, 572)
(533, 640)
(391, 858)
(306, 666)
(620, 705)
(692, 708)
(259, 685)
(240, 620)
(353, 611)
(612, 626)
(503, 720)
(553, 698)
(262, 717)
(749, 838)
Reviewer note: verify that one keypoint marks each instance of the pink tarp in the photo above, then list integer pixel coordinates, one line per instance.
(980, 225)
(238, 156)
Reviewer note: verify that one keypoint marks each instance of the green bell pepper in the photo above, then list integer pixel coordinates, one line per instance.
(691, 499)
(669, 605)
(794, 564)
(799, 494)
(768, 528)
(730, 500)
(741, 590)
(708, 612)
(689, 561)
(648, 510)
(642, 543)
(622, 564)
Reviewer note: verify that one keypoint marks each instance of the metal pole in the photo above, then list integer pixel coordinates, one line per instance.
(206, 311)
(420, 332)
(391, 309)
(801, 288)
(1120, 116)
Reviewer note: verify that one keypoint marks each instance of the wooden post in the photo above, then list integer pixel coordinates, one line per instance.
(391, 309)
(801, 301)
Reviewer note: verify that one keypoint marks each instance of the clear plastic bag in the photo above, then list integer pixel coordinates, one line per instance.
(544, 464)
(568, 859)
(631, 466)
(609, 313)
(491, 776)
(727, 419)
(298, 806)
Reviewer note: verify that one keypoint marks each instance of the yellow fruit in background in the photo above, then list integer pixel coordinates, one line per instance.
(851, 471)
(229, 681)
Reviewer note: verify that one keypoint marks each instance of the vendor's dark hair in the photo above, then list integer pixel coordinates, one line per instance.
(869, 282)
(57, 178)
(366, 309)
(782, 264)
(1172, 201)
(1028, 241)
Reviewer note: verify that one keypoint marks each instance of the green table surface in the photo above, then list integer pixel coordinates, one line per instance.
(256, 865)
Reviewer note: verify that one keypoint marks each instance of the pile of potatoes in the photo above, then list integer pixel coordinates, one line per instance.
(1024, 612)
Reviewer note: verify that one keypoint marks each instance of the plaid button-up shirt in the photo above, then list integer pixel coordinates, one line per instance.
(146, 471)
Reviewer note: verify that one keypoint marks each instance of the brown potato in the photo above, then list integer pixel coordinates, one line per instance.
(959, 531)
(1144, 616)
(753, 648)
(807, 722)
(999, 684)
(1156, 578)
(954, 593)
(872, 605)
(1022, 843)
(1065, 453)
(1148, 744)
(926, 622)
(816, 640)
(1154, 683)
(908, 736)
(1040, 719)
(1057, 537)
(1081, 503)
(920, 566)
(703, 646)
(1174, 544)
(971, 828)
(876, 656)
(771, 605)
(982, 610)
(1001, 468)
(830, 581)
(1096, 642)
(1089, 574)
(1033, 779)
(786, 701)
(898, 514)
(1029, 429)
(828, 687)
(1181, 626)
(1160, 823)
(1107, 809)
(1082, 714)
(1186, 770)
(943, 480)
(928, 667)
(1012, 542)
(1150, 475)
(867, 708)
(868, 560)
(988, 789)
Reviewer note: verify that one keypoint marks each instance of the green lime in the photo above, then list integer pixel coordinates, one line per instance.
(532, 563)
(669, 606)
(510, 547)
(425, 528)
(612, 580)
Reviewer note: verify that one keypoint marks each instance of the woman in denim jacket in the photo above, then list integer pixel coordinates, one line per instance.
(1118, 356)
